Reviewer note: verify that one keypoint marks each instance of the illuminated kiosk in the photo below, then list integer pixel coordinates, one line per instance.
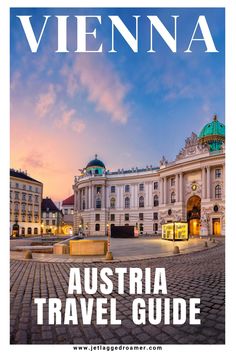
(175, 231)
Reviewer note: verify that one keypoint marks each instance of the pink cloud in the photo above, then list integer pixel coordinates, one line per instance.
(46, 101)
(102, 84)
(78, 126)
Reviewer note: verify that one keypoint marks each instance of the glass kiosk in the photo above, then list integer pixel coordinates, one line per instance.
(175, 231)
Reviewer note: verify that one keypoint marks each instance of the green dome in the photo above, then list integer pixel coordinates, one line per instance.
(213, 133)
(95, 167)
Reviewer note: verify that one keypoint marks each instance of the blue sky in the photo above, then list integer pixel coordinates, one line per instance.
(129, 108)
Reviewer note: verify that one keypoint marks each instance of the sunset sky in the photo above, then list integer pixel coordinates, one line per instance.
(129, 108)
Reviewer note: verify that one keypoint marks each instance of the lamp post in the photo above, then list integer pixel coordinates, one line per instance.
(109, 255)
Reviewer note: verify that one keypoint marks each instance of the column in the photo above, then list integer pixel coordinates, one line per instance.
(161, 191)
(208, 182)
(223, 181)
(165, 190)
(203, 183)
(181, 187)
(89, 197)
(177, 187)
(92, 197)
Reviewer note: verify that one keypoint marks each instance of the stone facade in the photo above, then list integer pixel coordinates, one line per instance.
(25, 204)
(190, 188)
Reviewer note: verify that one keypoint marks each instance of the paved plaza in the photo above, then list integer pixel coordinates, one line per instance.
(199, 274)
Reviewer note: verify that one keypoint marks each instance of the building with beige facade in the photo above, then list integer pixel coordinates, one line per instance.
(25, 204)
(191, 188)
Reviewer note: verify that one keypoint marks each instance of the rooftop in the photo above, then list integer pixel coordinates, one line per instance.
(22, 175)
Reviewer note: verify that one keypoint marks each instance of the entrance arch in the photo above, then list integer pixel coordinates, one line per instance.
(194, 215)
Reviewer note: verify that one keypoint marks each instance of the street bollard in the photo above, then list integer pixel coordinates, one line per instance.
(176, 250)
(206, 244)
(28, 255)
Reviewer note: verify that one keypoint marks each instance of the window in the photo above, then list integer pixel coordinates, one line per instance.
(29, 231)
(35, 231)
(17, 195)
(99, 188)
(47, 215)
(127, 188)
(36, 189)
(83, 204)
(30, 188)
(113, 189)
(54, 222)
(36, 198)
(218, 173)
(172, 182)
(141, 228)
(140, 216)
(126, 217)
(30, 198)
(98, 203)
(155, 185)
(155, 216)
(97, 227)
(72, 211)
(141, 202)
(113, 203)
(17, 185)
(155, 227)
(112, 217)
(53, 215)
(218, 191)
(47, 222)
(127, 203)
(24, 186)
(23, 218)
(141, 187)
(66, 211)
(172, 197)
(97, 217)
(155, 201)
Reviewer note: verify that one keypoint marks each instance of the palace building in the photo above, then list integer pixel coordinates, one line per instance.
(191, 188)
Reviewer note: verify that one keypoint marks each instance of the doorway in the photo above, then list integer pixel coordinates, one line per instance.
(194, 215)
(216, 227)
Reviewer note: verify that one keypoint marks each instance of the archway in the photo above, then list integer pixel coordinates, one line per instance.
(194, 215)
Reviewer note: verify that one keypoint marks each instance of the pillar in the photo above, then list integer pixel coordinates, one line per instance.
(203, 183)
(208, 182)
(181, 187)
(177, 187)
(165, 190)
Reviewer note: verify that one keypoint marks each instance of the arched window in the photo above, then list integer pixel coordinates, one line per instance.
(98, 203)
(29, 231)
(113, 203)
(127, 203)
(172, 197)
(218, 191)
(155, 201)
(141, 202)
(35, 231)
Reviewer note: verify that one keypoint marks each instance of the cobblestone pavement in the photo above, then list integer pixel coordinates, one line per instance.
(201, 274)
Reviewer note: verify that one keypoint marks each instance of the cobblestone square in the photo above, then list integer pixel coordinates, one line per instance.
(199, 274)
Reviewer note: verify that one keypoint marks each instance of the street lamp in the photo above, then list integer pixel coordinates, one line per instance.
(109, 255)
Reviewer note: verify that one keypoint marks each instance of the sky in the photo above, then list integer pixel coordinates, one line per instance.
(129, 108)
